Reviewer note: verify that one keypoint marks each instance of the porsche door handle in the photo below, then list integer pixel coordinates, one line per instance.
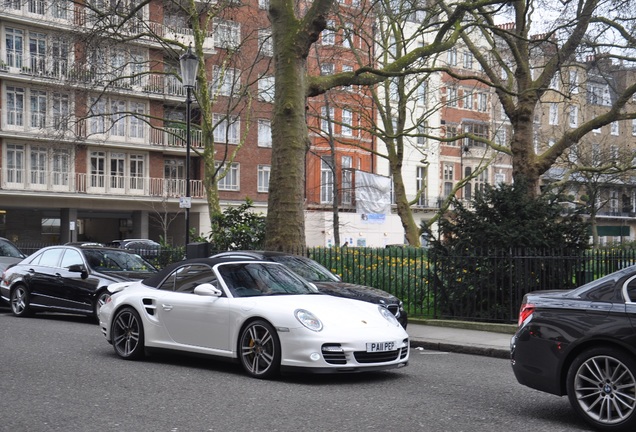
(166, 306)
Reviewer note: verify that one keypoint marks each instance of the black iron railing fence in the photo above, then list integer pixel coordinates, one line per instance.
(480, 285)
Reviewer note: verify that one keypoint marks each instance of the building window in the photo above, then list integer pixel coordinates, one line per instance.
(39, 156)
(347, 35)
(574, 116)
(500, 137)
(326, 125)
(60, 8)
(61, 111)
(598, 94)
(449, 171)
(326, 69)
(117, 170)
(97, 169)
(347, 179)
(326, 179)
(266, 88)
(37, 52)
(137, 120)
(614, 128)
(38, 108)
(118, 118)
(420, 184)
(614, 153)
(263, 178)
(227, 34)
(97, 112)
(15, 163)
(554, 114)
(225, 81)
(328, 34)
(14, 46)
(554, 82)
(422, 89)
(347, 121)
(479, 130)
(265, 42)
(451, 96)
(421, 134)
(15, 106)
(451, 132)
(264, 133)
(230, 181)
(574, 82)
(468, 60)
(468, 99)
(61, 167)
(226, 128)
(452, 57)
(137, 172)
(634, 127)
(482, 102)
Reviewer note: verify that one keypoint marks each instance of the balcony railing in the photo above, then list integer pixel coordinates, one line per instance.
(64, 71)
(175, 137)
(36, 181)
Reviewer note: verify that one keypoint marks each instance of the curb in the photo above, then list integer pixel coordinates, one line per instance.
(461, 349)
(468, 325)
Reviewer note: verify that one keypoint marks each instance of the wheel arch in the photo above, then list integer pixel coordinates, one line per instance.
(245, 323)
(588, 344)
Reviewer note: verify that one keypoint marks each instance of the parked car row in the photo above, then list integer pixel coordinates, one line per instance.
(70, 279)
(265, 316)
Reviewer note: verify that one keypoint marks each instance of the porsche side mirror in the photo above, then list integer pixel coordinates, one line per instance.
(207, 289)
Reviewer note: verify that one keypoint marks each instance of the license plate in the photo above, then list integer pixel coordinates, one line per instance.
(380, 346)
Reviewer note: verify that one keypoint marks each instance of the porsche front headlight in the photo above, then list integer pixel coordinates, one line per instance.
(388, 315)
(308, 319)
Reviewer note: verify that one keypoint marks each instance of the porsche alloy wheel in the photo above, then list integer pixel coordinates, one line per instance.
(602, 388)
(259, 350)
(128, 334)
(20, 301)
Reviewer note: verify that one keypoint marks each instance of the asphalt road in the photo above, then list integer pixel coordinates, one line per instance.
(59, 374)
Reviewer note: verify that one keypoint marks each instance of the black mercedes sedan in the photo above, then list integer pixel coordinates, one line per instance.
(582, 343)
(325, 281)
(69, 279)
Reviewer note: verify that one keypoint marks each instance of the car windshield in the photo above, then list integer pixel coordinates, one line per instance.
(258, 279)
(109, 260)
(9, 250)
(308, 269)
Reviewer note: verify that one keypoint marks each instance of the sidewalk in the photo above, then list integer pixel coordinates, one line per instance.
(462, 337)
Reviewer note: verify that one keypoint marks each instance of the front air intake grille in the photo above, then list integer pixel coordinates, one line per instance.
(376, 357)
(333, 354)
(405, 350)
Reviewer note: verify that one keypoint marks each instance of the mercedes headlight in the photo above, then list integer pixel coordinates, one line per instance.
(388, 315)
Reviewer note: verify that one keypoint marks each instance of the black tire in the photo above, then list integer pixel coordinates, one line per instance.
(601, 385)
(100, 299)
(20, 301)
(127, 334)
(259, 350)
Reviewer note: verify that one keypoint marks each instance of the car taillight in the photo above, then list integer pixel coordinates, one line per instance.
(525, 311)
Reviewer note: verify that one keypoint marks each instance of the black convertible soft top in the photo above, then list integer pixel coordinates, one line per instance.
(156, 279)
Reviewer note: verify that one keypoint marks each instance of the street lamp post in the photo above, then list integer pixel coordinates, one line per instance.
(189, 65)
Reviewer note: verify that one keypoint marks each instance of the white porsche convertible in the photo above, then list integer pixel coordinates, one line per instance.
(256, 312)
